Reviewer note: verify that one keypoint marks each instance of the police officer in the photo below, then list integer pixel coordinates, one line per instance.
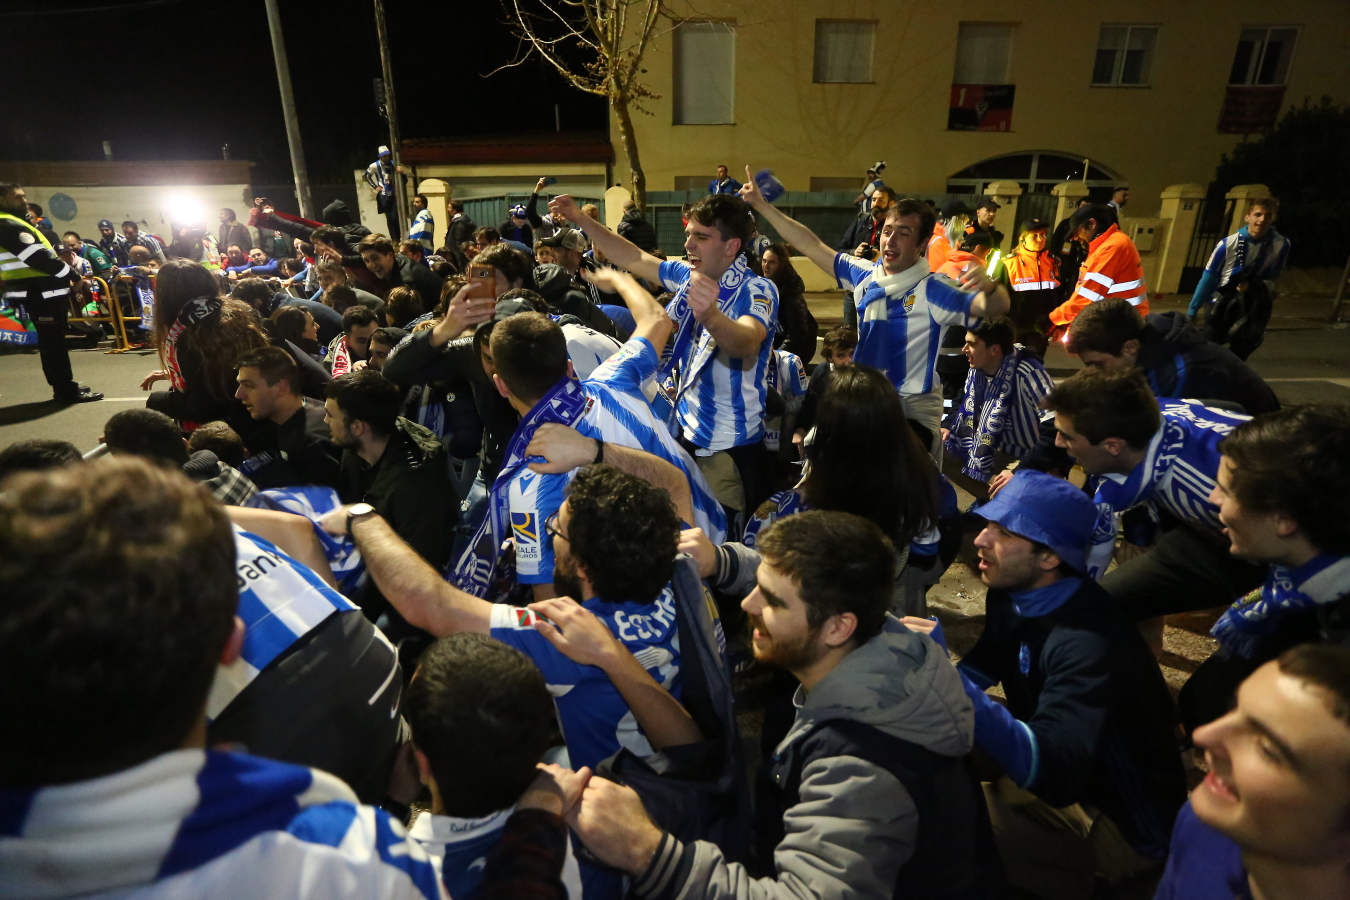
(33, 275)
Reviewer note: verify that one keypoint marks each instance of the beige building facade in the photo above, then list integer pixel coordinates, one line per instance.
(954, 97)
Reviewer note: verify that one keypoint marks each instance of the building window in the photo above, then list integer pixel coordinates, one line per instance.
(1263, 56)
(1124, 54)
(1255, 91)
(982, 98)
(983, 53)
(705, 73)
(844, 51)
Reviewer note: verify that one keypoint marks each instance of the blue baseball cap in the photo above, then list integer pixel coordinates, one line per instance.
(1045, 509)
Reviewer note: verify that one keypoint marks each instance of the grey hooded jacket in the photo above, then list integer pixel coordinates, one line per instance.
(854, 824)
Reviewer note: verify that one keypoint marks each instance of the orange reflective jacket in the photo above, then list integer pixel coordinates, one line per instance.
(1111, 269)
(938, 248)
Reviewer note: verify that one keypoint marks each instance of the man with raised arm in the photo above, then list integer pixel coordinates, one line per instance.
(724, 318)
(901, 305)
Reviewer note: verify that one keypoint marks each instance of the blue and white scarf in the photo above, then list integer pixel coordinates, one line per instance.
(692, 347)
(1245, 624)
(983, 417)
(482, 570)
(314, 502)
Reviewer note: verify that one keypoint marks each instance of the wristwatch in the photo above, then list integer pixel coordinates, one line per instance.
(355, 511)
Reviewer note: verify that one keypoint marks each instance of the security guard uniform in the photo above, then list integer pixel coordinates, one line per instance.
(31, 274)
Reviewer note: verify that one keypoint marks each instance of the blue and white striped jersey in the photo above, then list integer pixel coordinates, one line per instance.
(587, 348)
(280, 601)
(620, 414)
(721, 397)
(422, 230)
(788, 379)
(194, 823)
(459, 849)
(1177, 474)
(900, 318)
(1238, 255)
(616, 413)
(595, 720)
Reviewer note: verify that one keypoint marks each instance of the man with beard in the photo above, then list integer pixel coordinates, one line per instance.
(615, 538)
(1088, 775)
(871, 783)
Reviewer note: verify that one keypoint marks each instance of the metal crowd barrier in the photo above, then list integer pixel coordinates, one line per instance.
(115, 317)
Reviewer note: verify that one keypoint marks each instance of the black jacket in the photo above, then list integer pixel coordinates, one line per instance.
(417, 362)
(409, 487)
(1180, 362)
(571, 296)
(415, 275)
(637, 230)
(1086, 684)
(863, 230)
(298, 451)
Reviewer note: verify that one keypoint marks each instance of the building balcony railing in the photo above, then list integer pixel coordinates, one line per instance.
(1250, 108)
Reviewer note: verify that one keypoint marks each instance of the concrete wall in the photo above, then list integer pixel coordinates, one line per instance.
(154, 208)
(1152, 136)
(468, 182)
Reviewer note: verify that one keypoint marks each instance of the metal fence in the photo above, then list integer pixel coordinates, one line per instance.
(1211, 223)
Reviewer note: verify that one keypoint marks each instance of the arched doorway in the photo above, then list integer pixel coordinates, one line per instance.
(1037, 171)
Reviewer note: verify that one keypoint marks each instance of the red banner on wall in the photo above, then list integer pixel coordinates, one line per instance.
(981, 107)
(1249, 108)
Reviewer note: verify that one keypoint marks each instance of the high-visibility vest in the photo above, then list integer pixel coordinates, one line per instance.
(1029, 271)
(20, 281)
(1111, 269)
(938, 248)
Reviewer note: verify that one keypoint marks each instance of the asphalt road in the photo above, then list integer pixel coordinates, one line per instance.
(1303, 358)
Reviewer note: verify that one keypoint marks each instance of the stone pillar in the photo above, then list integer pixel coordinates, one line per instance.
(1068, 193)
(437, 192)
(1180, 207)
(1242, 196)
(1005, 194)
(615, 198)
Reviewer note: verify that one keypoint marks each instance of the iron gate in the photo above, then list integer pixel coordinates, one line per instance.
(1211, 225)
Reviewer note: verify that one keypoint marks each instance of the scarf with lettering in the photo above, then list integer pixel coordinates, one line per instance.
(693, 347)
(983, 417)
(342, 358)
(193, 313)
(1319, 582)
(482, 570)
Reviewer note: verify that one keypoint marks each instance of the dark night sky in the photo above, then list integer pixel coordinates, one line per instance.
(175, 79)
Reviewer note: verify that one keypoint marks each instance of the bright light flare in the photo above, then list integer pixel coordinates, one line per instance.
(185, 209)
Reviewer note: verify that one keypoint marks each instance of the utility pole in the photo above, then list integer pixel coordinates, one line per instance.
(391, 113)
(288, 111)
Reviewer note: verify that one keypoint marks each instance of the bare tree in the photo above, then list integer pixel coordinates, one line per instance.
(597, 46)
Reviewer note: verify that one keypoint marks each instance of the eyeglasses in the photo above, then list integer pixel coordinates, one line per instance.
(551, 527)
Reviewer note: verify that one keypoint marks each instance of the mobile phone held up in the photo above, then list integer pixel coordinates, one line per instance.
(482, 282)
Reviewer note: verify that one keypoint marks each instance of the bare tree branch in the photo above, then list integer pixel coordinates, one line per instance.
(598, 49)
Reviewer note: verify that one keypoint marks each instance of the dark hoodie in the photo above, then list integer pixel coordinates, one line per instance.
(1180, 362)
(635, 227)
(408, 486)
(556, 286)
